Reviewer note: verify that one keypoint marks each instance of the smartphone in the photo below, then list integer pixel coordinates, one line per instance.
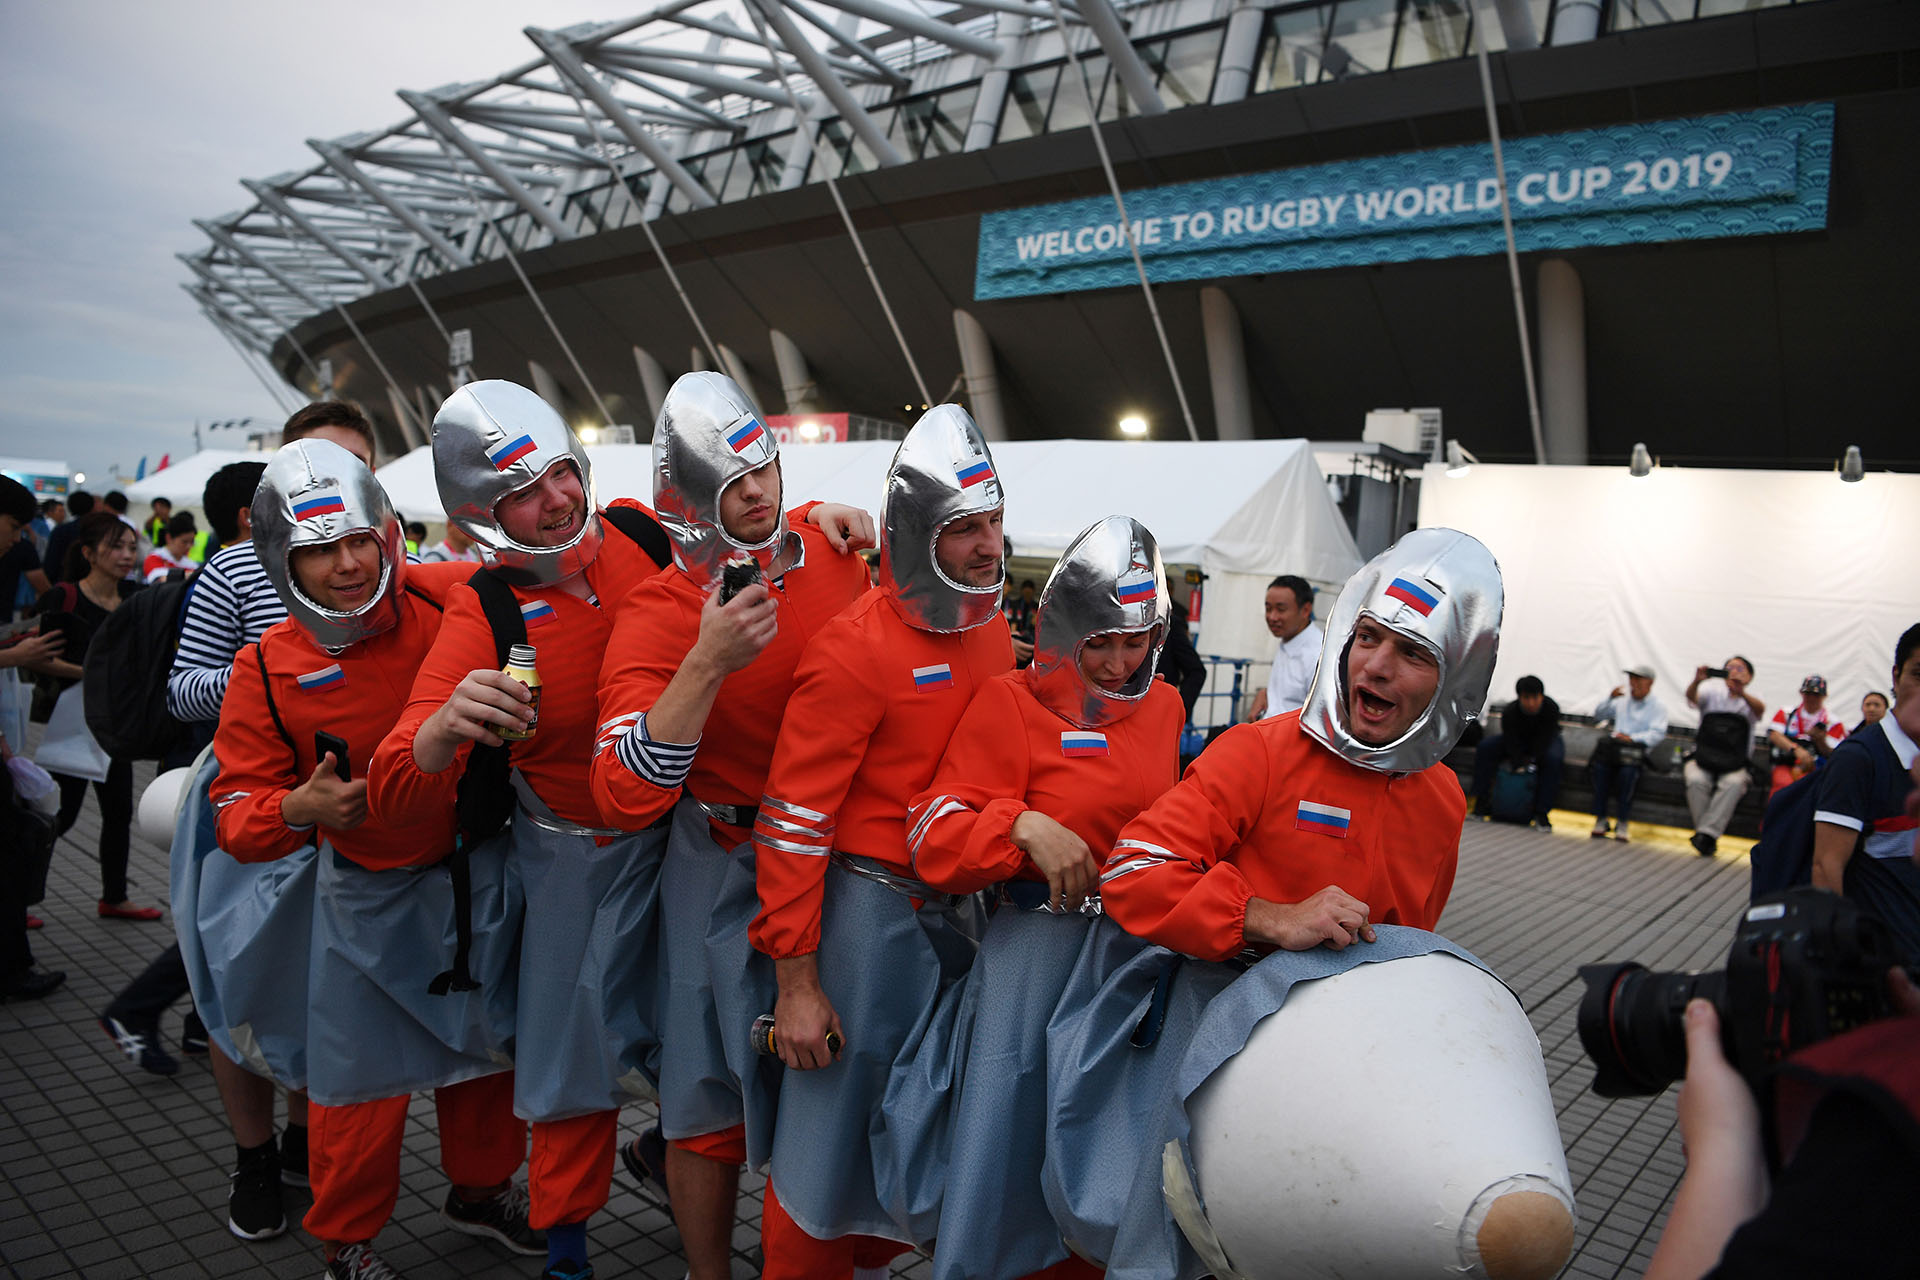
(1717, 673)
(324, 742)
(736, 577)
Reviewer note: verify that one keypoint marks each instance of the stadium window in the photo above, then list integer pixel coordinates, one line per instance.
(1625, 15)
(1029, 94)
(1716, 8)
(718, 177)
(1360, 41)
(937, 124)
(1183, 66)
(1434, 31)
(1290, 50)
(1070, 101)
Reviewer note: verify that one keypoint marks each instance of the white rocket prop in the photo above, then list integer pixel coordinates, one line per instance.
(1393, 1121)
(160, 805)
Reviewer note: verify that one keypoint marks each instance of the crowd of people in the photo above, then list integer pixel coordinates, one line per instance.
(688, 801)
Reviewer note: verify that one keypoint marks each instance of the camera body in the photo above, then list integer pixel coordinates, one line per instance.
(737, 575)
(1805, 965)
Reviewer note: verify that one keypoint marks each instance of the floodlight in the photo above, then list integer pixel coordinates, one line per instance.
(1853, 468)
(1133, 425)
(1641, 464)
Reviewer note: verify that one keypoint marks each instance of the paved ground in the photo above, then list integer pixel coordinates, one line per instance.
(111, 1173)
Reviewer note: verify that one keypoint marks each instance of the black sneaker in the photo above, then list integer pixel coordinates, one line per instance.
(502, 1217)
(293, 1156)
(1704, 844)
(646, 1161)
(141, 1046)
(254, 1211)
(358, 1262)
(193, 1034)
(33, 984)
(568, 1269)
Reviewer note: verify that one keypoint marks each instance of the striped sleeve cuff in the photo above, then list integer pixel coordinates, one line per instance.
(664, 764)
(792, 828)
(1848, 821)
(195, 693)
(924, 816)
(1134, 855)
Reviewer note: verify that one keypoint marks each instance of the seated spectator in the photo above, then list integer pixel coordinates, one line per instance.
(1290, 620)
(1638, 722)
(1800, 736)
(1872, 708)
(1529, 739)
(173, 549)
(1716, 772)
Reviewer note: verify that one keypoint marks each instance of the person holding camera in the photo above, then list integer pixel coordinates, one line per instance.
(1716, 772)
(1802, 736)
(1639, 722)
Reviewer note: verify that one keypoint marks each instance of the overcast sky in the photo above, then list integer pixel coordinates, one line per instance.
(121, 122)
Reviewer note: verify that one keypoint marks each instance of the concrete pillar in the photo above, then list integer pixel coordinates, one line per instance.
(411, 436)
(1576, 21)
(1226, 365)
(547, 387)
(985, 121)
(1563, 362)
(653, 381)
(1238, 51)
(977, 373)
(697, 360)
(736, 368)
(1516, 23)
(796, 380)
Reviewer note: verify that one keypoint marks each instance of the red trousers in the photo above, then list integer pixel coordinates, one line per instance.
(792, 1254)
(354, 1153)
(723, 1146)
(571, 1171)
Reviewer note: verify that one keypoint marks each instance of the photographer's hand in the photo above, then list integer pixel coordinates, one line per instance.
(1726, 1178)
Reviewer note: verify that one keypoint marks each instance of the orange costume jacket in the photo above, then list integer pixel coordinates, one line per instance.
(874, 703)
(1269, 812)
(569, 635)
(354, 695)
(1010, 754)
(652, 636)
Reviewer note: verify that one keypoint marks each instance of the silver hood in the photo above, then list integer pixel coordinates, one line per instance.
(1442, 588)
(941, 473)
(1109, 580)
(708, 436)
(491, 439)
(314, 492)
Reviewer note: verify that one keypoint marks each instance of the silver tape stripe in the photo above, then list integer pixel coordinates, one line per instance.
(926, 824)
(788, 846)
(1132, 864)
(1144, 847)
(792, 810)
(932, 809)
(794, 828)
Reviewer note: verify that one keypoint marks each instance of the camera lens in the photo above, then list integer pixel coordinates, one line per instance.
(1631, 1025)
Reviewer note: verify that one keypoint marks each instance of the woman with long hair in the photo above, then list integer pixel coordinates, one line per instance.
(104, 551)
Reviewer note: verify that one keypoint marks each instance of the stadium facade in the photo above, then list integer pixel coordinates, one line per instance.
(1712, 210)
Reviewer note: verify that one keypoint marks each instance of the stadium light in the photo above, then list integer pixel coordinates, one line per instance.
(1133, 425)
(1641, 464)
(79, 477)
(810, 432)
(1459, 459)
(1853, 468)
(589, 435)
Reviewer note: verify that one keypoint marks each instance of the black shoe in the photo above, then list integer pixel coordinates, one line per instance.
(646, 1161)
(358, 1262)
(141, 1045)
(568, 1269)
(293, 1157)
(254, 1211)
(502, 1217)
(193, 1034)
(1704, 844)
(33, 984)
(1541, 824)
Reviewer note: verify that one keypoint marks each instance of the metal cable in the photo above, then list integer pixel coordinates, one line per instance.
(821, 157)
(1513, 257)
(1126, 225)
(239, 350)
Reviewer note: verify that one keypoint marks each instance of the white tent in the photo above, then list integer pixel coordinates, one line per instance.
(183, 482)
(1683, 568)
(1242, 511)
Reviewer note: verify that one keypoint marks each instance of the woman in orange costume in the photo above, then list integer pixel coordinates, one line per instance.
(1046, 767)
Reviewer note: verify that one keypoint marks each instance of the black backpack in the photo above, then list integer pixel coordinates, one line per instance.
(1783, 856)
(1723, 743)
(126, 673)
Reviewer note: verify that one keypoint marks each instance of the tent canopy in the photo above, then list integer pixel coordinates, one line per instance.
(183, 482)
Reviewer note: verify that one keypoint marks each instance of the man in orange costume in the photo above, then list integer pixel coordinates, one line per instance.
(691, 695)
(359, 623)
(1307, 828)
(861, 948)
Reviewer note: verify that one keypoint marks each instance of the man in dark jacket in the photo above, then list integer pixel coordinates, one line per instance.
(1529, 738)
(1180, 665)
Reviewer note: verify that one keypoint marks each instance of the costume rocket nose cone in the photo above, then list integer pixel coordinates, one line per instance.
(312, 493)
(708, 436)
(1109, 580)
(941, 473)
(492, 439)
(1441, 588)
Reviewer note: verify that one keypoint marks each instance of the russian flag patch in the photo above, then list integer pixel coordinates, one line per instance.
(745, 434)
(938, 676)
(325, 503)
(979, 471)
(504, 456)
(1135, 588)
(1083, 742)
(325, 680)
(537, 612)
(1324, 819)
(1421, 600)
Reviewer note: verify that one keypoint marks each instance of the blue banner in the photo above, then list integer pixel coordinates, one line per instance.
(1744, 174)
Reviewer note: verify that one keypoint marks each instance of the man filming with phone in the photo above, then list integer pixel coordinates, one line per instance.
(1716, 772)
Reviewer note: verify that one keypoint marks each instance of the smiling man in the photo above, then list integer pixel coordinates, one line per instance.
(1310, 827)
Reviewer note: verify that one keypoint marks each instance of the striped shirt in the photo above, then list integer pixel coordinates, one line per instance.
(231, 605)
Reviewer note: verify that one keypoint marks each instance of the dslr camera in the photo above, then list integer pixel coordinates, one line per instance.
(1806, 965)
